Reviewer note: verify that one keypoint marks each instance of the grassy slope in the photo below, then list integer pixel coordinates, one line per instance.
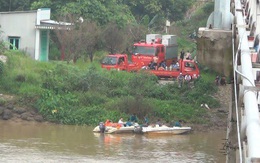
(197, 18)
(85, 94)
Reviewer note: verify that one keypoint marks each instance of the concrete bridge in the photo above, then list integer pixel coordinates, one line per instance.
(230, 45)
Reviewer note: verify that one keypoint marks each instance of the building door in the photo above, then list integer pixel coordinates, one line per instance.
(44, 46)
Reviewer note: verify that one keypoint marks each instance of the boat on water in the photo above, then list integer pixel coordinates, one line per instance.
(116, 130)
(165, 130)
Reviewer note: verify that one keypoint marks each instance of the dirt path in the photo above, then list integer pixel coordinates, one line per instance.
(218, 116)
(224, 95)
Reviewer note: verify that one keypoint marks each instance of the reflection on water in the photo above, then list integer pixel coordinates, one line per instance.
(39, 142)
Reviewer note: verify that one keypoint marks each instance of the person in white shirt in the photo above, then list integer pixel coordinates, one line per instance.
(121, 122)
(188, 56)
(187, 78)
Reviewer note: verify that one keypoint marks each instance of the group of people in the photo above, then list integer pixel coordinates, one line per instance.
(162, 65)
(182, 79)
(176, 123)
(220, 80)
(187, 56)
(154, 65)
(130, 122)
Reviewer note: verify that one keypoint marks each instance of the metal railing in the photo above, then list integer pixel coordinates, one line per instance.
(250, 127)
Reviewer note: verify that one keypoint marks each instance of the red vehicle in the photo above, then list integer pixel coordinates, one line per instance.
(162, 47)
(120, 62)
(186, 67)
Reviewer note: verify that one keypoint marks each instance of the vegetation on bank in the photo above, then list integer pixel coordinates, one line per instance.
(72, 94)
(83, 93)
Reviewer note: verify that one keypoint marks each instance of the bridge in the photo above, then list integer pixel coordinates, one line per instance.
(241, 20)
(247, 78)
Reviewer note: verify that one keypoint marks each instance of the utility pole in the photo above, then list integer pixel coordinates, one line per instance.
(167, 25)
(10, 5)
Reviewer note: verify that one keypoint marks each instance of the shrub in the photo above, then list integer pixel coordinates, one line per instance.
(1, 68)
(91, 98)
(71, 95)
(2, 102)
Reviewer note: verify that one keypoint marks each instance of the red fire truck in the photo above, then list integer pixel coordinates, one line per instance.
(120, 62)
(162, 47)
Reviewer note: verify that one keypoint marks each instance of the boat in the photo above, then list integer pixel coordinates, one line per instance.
(165, 130)
(116, 129)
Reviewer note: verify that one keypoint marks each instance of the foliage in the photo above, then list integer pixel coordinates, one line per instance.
(102, 12)
(173, 110)
(54, 53)
(83, 93)
(114, 38)
(170, 9)
(15, 5)
(1, 68)
(186, 29)
(2, 102)
(71, 95)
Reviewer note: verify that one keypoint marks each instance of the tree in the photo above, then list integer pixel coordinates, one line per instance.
(114, 38)
(179, 9)
(80, 39)
(101, 11)
(172, 10)
(90, 37)
(68, 39)
(15, 5)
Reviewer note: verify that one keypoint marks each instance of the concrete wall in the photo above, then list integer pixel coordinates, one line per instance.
(214, 50)
(20, 24)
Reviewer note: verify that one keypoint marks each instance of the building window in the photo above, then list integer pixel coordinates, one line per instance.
(14, 43)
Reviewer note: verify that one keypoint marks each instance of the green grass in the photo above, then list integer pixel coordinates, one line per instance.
(86, 94)
(83, 93)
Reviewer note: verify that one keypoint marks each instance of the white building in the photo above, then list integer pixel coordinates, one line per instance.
(28, 31)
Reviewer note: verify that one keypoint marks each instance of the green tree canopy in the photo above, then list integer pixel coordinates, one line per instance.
(15, 5)
(171, 9)
(101, 11)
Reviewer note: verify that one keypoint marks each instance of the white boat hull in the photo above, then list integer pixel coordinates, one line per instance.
(166, 130)
(116, 130)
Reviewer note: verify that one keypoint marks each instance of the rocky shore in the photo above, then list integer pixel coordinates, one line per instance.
(9, 110)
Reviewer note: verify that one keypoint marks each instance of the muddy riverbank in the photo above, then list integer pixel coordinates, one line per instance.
(217, 117)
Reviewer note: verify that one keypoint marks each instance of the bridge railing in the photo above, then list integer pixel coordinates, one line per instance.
(250, 122)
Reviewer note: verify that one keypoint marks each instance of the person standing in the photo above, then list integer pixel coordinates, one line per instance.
(102, 127)
(188, 55)
(187, 79)
(180, 80)
(182, 54)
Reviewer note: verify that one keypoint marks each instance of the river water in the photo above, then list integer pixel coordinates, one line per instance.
(25, 142)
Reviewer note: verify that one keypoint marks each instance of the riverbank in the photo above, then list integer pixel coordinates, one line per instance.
(217, 117)
(10, 110)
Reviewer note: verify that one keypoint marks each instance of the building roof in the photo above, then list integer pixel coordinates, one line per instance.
(52, 24)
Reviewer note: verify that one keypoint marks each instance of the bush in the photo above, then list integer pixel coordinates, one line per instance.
(2, 102)
(75, 95)
(1, 68)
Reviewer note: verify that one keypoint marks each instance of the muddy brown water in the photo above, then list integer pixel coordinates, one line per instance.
(25, 142)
